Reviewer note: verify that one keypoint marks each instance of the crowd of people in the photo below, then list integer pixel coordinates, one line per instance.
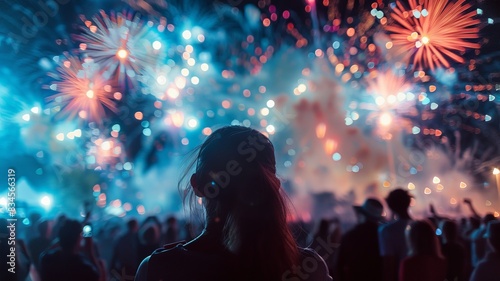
(247, 235)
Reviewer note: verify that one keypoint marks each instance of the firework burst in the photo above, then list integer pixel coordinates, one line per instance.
(81, 90)
(121, 44)
(387, 88)
(433, 31)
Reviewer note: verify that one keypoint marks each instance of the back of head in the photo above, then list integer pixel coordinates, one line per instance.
(371, 210)
(398, 201)
(236, 174)
(493, 234)
(422, 239)
(488, 217)
(474, 223)
(151, 235)
(171, 221)
(450, 230)
(323, 228)
(133, 225)
(70, 234)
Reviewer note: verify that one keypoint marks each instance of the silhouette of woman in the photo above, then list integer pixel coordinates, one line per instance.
(246, 236)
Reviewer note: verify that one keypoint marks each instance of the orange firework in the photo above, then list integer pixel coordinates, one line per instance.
(433, 30)
(81, 90)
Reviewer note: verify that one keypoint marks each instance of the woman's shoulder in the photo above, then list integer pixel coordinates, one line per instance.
(166, 252)
(311, 267)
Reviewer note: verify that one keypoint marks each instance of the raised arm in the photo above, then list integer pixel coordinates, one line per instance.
(468, 202)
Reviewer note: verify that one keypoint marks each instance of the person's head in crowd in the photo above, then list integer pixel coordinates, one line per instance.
(421, 239)
(463, 223)
(449, 231)
(371, 210)
(473, 223)
(487, 218)
(132, 225)
(235, 175)
(171, 221)
(323, 228)
(493, 235)
(70, 235)
(399, 201)
(44, 228)
(59, 222)
(150, 235)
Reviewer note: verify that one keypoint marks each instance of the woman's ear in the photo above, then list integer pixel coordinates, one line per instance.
(195, 185)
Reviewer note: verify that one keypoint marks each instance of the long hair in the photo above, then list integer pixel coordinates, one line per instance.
(422, 239)
(236, 173)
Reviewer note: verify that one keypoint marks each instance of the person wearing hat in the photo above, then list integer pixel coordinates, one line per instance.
(393, 248)
(358, 256)
(488, 268)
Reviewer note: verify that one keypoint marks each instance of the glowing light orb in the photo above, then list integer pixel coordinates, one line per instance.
(186, 34)
(192, 123)
(320, 130)
(156, 45)
(436, 180)
(122, 54)
(90, 94)
(46, 201)
(385, 119)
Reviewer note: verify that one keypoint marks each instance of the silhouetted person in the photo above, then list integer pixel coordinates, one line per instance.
(246, 236)
(393, 248)
(453, 251)
(41, 243)
(326, 235)
(359, 254)
(488, 268)
(425, 261)
(479, 246)
(172, 231)
(105, 241)
(68, 262)
(472, 223)
(124, 261)
(57, 225)
(149, 241)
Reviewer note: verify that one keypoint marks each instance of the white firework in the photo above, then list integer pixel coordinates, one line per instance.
(121, 43)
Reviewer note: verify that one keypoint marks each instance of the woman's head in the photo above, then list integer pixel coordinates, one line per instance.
(421, 239)
(235, 167)
(235, 174)
(229, 157)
